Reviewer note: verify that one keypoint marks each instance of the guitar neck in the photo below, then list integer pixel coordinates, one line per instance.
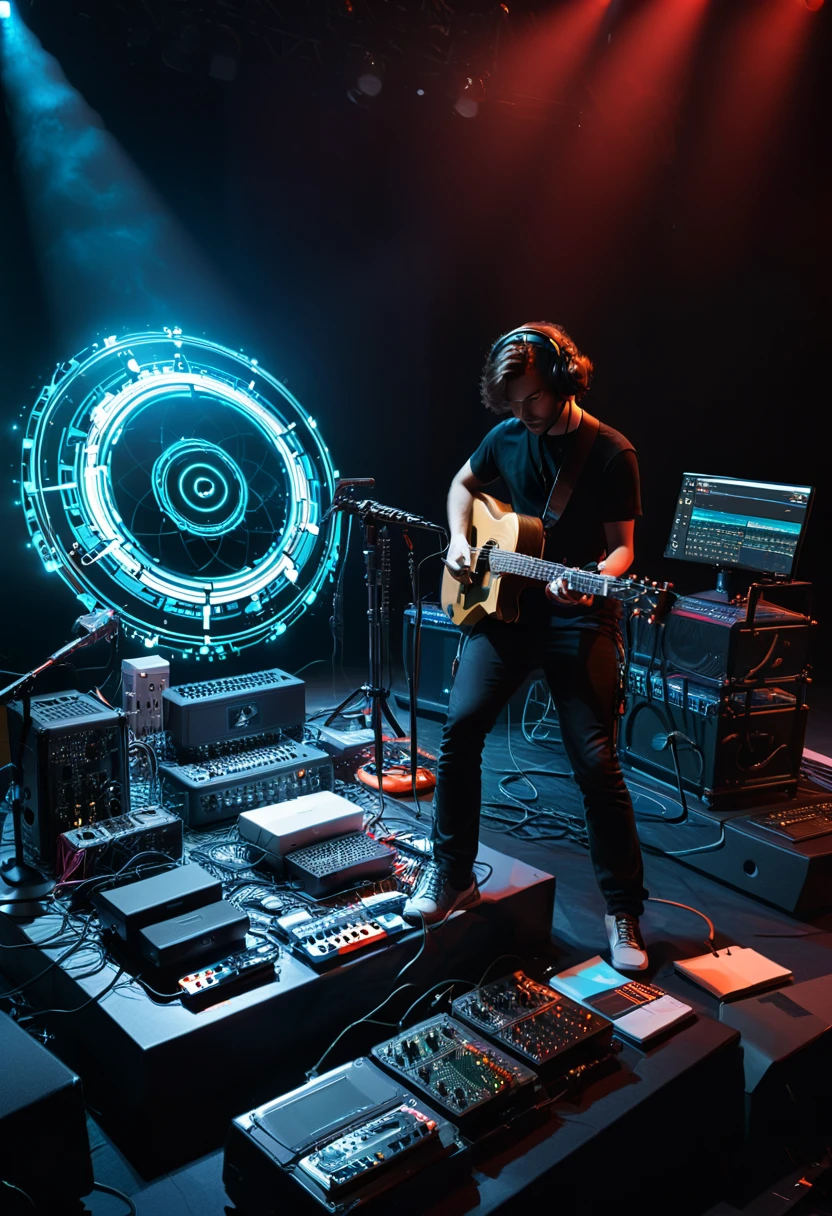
(503, 561)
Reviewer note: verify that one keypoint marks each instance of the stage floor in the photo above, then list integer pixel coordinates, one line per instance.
(651, 1110)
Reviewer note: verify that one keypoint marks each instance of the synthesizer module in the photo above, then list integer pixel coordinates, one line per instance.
(548, 1030)
(468, 1079)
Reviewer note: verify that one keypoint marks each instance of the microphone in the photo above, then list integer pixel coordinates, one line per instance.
(93, 626)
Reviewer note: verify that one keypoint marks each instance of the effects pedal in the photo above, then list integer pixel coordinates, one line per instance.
(467, 1078)
(325, 940)
(372, 1148)
(237, 973)
(543, 1027)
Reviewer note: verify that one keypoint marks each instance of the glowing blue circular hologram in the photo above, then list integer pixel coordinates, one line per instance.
(176, 481)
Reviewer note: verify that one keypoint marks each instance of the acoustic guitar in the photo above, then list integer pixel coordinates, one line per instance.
(506, 557)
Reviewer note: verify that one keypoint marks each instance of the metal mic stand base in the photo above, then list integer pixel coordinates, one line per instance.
(369, 695)
(21, 886)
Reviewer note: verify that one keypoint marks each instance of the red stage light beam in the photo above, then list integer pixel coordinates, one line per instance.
(629, 134)
(742, 129)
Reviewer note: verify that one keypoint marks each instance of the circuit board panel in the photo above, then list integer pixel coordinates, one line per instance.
(462, 1074)
(550, 1031)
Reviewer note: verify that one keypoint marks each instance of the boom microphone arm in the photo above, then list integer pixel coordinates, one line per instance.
(92, 627)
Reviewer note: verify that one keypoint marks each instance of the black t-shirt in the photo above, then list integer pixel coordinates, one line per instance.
(607, 491)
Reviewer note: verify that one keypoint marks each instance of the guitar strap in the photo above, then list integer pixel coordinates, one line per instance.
(570, 470)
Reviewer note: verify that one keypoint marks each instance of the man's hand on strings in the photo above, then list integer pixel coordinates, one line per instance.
(458, 558)
(560, 592)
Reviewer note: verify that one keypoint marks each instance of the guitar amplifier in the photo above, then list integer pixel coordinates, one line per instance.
(75, 767)
(440, 642)
(233, 707)
(440, 645)
(714, 641)
(726, 742)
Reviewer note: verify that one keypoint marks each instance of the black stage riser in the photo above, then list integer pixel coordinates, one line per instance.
(258, 1043)
(794, 876)
(44, 1147)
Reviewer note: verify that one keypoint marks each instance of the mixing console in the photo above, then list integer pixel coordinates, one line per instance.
(210, 791)
(460, 1073)
(549, 1030)
(373, 1148)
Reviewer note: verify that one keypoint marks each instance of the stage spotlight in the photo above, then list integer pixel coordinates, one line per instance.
(199, 47)
(5, 10)
(470, 97)
(369, 80)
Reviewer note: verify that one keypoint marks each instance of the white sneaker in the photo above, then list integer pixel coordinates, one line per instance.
(627, 947)
(434, 899)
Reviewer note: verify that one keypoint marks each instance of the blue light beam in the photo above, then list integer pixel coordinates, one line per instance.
(106, 243)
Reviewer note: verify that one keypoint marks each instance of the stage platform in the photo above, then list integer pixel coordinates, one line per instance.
(167, 1080)
(656, 1131)
(646, 1116)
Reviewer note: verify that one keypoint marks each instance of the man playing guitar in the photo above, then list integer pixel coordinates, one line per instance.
(533, 378)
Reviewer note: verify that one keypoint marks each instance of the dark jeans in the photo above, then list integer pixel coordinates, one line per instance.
(581, 667)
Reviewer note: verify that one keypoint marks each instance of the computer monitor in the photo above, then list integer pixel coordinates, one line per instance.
(739, 525)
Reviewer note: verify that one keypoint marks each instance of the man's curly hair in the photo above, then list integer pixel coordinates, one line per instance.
(516, 358)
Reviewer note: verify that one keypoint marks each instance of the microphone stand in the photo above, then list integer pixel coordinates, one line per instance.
(375, 518)
(22, 887)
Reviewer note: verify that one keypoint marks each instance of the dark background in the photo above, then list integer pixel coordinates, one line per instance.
(371, 255)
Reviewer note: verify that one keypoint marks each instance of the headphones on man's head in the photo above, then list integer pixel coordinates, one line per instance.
(555, 367)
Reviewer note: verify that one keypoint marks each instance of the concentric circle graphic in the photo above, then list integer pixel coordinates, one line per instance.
(175, 480)
(200, 487)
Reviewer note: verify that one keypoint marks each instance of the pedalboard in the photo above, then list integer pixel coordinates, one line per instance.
(349, 1139)
(373, 1148)
(238, 973)
(233, 707)
(108, 845)
(326, 940)
(211, 791)
(469, 1079)
(551, 1032)
(344, 861)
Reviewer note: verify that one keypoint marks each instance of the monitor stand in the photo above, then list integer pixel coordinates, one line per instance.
(730, 584)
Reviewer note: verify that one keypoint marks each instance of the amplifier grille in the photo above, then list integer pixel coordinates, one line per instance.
(66, 705)
(216, 688)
